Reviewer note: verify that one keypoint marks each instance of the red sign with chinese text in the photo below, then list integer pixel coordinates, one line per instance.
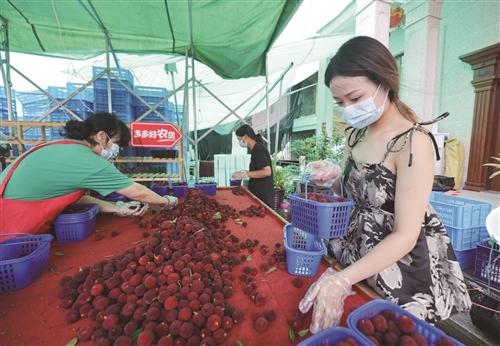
(154, 135)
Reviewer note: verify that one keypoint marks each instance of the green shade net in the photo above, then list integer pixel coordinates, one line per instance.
(231, 37)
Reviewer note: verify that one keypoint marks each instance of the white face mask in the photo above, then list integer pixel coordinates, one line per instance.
(111, 153)
(363, 113)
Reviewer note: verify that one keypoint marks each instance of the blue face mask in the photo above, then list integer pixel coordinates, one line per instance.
(363, 113)
(111, 153)
(242, 144)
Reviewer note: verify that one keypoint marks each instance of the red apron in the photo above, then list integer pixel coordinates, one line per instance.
(32, 216)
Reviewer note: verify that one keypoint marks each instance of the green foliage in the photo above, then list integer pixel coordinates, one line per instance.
(494, 165)
(320, 147)
(284, 177)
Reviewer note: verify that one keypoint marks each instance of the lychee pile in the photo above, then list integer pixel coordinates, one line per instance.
(254, 210)
(386, 329)
(322, 198)
(173, 288)
(346, 342)
(238, 191)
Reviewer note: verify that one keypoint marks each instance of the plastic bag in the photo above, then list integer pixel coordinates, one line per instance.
(323, 173)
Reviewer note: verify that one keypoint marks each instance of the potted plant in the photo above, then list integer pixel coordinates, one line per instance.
(494, 165)
(283, 178)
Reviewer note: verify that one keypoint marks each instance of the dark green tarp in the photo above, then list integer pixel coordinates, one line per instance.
(230, 36)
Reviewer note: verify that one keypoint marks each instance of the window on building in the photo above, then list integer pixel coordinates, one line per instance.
(399, 62)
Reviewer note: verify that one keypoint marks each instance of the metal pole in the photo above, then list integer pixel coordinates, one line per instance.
(108, 73)
(227, 107)
(6, 72)
(177, 121)
(270, 89)
(59, 104)
(196, 163)
(267, 113)
(278, 119)
(186, 118)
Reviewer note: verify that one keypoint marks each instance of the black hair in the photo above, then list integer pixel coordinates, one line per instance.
(367, 57)
(247, 130)
(109, 123)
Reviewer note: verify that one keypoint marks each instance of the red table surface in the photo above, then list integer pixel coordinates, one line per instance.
(31, 316)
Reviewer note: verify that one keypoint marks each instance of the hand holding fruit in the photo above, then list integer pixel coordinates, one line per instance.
(323, 173)
(133, 208)
(172, 200)
(327, 295)
(239, 175)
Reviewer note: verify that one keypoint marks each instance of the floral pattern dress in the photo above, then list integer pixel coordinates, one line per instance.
(428, 281)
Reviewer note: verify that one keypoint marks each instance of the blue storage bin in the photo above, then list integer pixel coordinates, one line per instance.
(466, 238)
(22, 259)
(325, 220)
(73, 227)
(303, 251)
(459, 212)
(331, 336)
(208, 188)
(370, 309)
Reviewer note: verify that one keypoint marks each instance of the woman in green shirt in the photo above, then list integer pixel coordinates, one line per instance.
(49, 177)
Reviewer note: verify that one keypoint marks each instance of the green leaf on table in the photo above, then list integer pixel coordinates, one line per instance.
(217, 216)
(303, 332)
(135, 334)
(59, 253)
(249, 258)
(72, 342)
(239, 343)
(270, 270)
(291, 334)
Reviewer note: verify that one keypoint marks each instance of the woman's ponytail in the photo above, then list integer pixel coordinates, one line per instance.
(405, 111)
(258, 138)
(75, 129)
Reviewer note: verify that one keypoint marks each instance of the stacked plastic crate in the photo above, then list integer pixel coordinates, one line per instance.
(152, 96)
(34, 104)
(464, 220)
(120, 96)
(4, 108)
(81, 105)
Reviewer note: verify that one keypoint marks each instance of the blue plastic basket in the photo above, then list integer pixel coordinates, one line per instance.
(459, 212)
(235, 182)
(466, 238)
(208, 188)
(325, 220)
(303, 251)
(179, 190)
(370, 309)
(114, 197)
(487, 265)
(162, 190)
(75, 227)
(331, 336)
(22, 259)
(466, 258)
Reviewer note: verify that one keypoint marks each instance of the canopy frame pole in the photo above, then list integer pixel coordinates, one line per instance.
(231, 112)
(186, 115)
(59, 104)
(108, 74)
(193, 81)
(278, 118)
(165, 98)
(268, 132)
(177, 120)
(270, 89)
(5, 66)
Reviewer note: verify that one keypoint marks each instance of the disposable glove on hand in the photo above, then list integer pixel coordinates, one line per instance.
(323, 173)
(326, 296)
(133, 208)
(171, 200)
(239, 175)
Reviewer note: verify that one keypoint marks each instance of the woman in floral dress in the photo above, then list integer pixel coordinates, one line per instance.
(395, 241)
